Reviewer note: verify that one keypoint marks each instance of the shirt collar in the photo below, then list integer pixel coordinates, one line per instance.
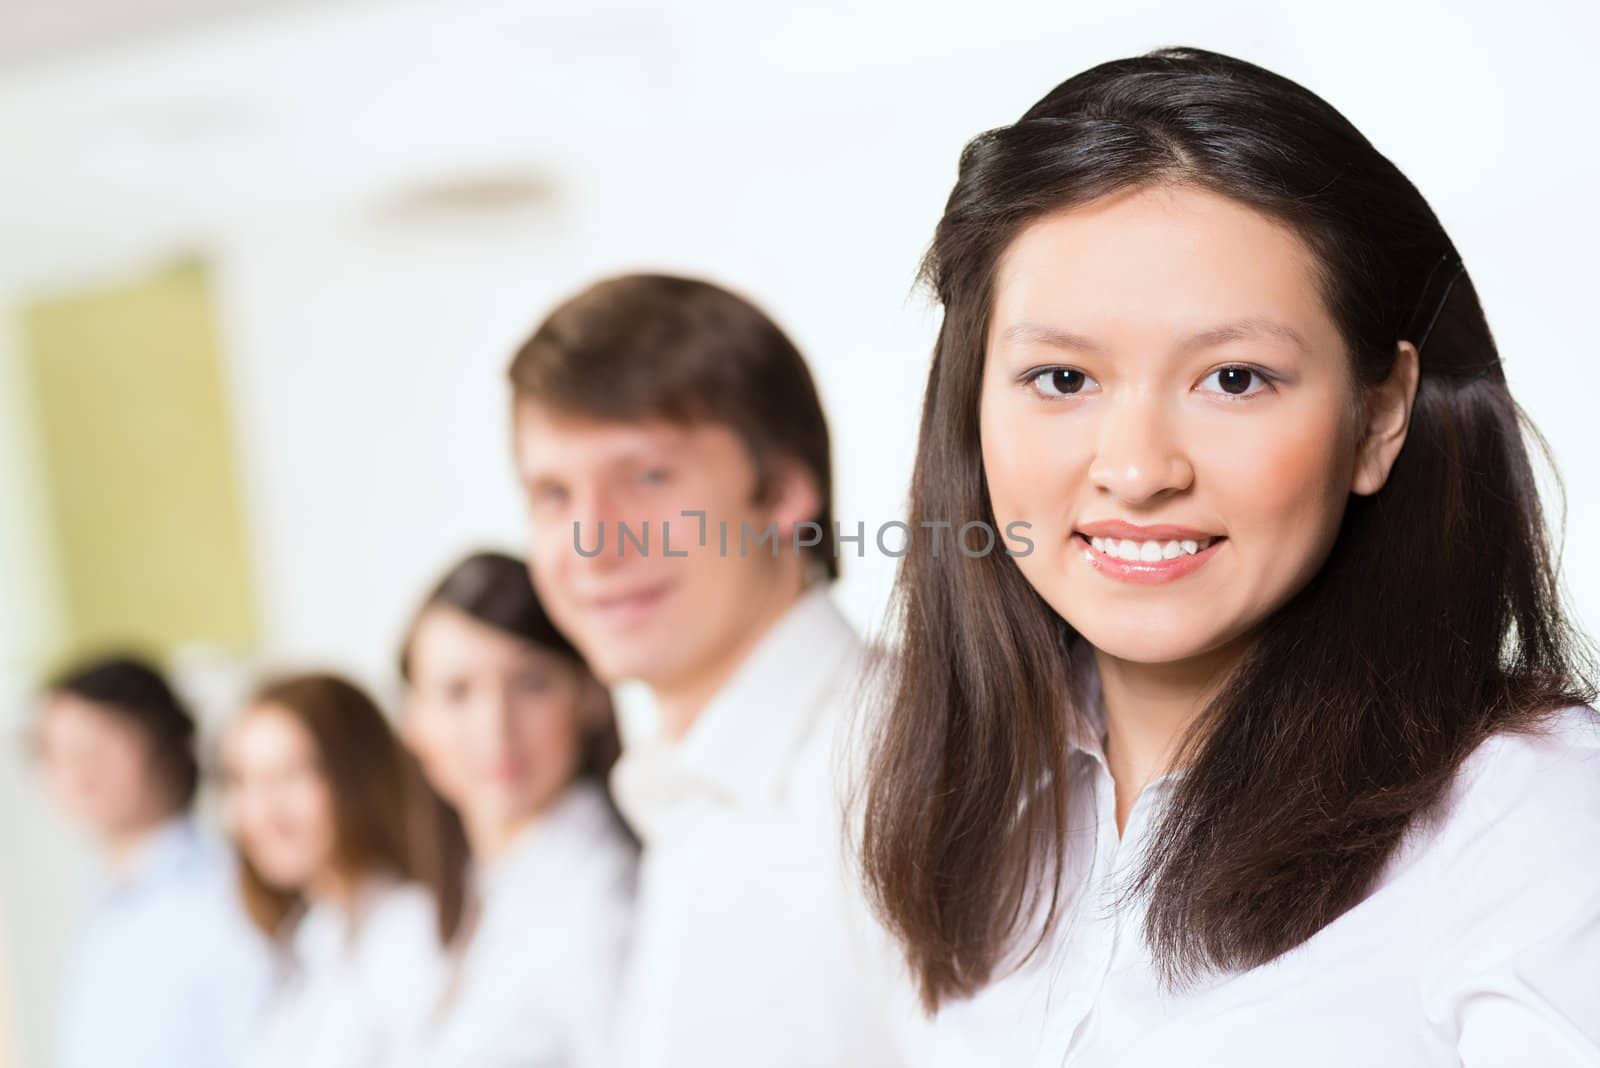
(579, 817)
(326, 930)
(1086, 723)
(739, 747)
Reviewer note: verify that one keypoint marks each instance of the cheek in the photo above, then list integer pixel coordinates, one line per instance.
(440, 741)
(1034, 464)
(550, 739)
(252, 822)
(303, 814)
(128, 768)
(1280, 486)
(112, 779)
(314, 821)
(549, 558)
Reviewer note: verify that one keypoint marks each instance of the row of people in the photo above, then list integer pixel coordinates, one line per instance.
(457, 892)
(1268, 742)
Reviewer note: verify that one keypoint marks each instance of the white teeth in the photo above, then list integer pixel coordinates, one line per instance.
(1148, 552)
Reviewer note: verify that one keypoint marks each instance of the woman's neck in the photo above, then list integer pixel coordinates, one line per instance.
(1149, 709)
(491, 836)
(335, 887)
(124, 845)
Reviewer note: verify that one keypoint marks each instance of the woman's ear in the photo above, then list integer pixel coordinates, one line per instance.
(1386, 411)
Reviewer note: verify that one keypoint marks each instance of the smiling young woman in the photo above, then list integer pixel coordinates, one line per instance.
(1274, 750)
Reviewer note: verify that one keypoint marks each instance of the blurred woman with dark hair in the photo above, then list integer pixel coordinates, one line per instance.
(341, 870)
(168, 972)
(1270, 746)
(516, 733)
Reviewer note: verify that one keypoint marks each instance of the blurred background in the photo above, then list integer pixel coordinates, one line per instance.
(262, 264)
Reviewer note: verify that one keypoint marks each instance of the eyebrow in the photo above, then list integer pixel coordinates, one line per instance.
(625, 458)
(1238, 330)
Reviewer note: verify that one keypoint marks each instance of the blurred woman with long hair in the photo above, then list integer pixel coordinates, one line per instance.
(516, 733)
(341, 870)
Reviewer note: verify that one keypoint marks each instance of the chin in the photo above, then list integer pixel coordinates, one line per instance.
(637, 662)
(283, 879)
(1148, 644)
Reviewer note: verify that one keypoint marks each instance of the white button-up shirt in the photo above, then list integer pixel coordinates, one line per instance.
(751, 945)
(169, 973)
(535, 985)
(1478, 946)
(355, 981)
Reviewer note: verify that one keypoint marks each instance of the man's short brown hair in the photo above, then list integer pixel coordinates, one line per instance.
(651, 346)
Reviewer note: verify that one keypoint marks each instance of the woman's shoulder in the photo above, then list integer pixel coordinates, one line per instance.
(578, 861)
(1527, 775)
(601, 855)
(1511, 918)
(398, 955)
(1510, 854)
(396, 919)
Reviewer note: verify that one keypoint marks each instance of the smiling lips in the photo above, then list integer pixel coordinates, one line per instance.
(1145, 555)
(628, 609)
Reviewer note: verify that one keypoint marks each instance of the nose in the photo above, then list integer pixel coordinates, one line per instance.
(1138, 455)
(596, 533)
(495, 721)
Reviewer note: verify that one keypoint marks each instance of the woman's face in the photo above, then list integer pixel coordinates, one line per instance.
(1169, 404)
(279, 807)
(495, 721)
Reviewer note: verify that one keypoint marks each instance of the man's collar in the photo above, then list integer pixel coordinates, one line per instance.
(740, 745)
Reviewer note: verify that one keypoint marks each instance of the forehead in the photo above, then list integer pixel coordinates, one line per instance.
(447, 639)
(267, 732)
(550, 442)
(65, 712)
(1158, 261)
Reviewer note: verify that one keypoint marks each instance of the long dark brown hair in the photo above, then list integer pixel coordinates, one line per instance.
(381, 805)
(1434, 623)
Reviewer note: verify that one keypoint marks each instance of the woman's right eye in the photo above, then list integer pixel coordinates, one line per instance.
(1060, 381)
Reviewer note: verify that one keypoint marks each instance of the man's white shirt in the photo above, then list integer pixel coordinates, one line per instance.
(753, 944)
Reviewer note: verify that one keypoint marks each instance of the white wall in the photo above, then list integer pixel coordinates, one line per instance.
(802, 158)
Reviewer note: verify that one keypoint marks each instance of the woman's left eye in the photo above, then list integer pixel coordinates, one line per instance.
(1235, 381)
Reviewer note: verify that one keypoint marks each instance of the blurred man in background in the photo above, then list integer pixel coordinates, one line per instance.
(167, 973)
(675, 461)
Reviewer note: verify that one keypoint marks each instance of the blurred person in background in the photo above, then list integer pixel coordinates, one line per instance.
(517, 735)
(168, 972)
(639, 400)
(340, 870)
